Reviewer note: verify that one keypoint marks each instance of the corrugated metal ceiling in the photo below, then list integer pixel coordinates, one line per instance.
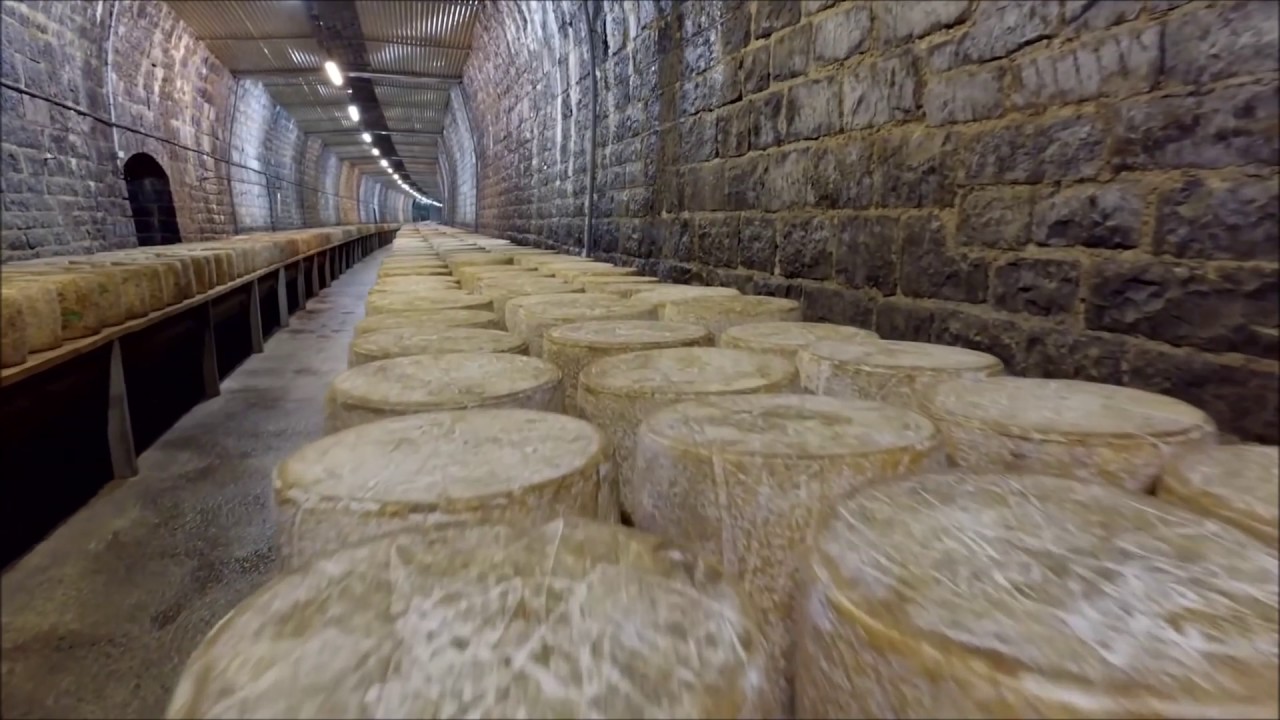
(410, 38)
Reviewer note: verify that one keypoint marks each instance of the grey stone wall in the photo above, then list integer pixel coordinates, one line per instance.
(461, 191)
(1085, 189)
(63, 191)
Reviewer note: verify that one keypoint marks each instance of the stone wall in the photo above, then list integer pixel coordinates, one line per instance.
(457, 145)
(1084, 189)
(63, 188)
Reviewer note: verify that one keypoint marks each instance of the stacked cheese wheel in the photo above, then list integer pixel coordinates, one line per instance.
(436, 469)
(1032, 596)
(567, 619)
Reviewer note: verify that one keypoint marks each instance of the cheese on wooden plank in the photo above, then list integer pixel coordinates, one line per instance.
(569, 619)
(81, 314)
(744, 478)
(968, 595)
(200, 270)
(187, 287)
(148, 278)
(1068, 428)
(604, 283)
(617, 393)
(430, 340)
(718, 314)
(422, 282)
(575, 346)
(424, 383)
(14, 335)
(786, 339)
(448, 318)
(42, 316)
(1236, 484)
(107, 292)
(658, 297)
(403, 302)
(891, 371)
(534, 316)
(131, 284)
(434, 470)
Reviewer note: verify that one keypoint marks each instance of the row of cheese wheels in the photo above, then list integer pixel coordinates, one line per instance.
(50, 301)
(989, 589)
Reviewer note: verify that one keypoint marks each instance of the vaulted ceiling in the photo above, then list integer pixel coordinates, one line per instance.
(399, 59)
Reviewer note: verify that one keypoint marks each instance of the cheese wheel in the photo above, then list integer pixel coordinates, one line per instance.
(630, 290)
(663, 295)
(461, 260)
(891, 371)
(718, 314)
(537, 260)
(573, 347)
(104, 288)
(573, 275)
(81, 314)
(786, 339)
(503, 294)
(193, 270)
(617, 393)
(146, 278)
(129, 284)
(41, 314)
(425, 383)
(1030, 596)
(432, 470)
(404, 302)
(14, 335)
(571, 619)
(558, 270)
(743, 479)
(414, 282)
(430, 340)
(1236, 484)
(186, 271)
(540, 312)
(603, 283)
(448, 318)
(395, 271)
(467, 276)
(1067, 428)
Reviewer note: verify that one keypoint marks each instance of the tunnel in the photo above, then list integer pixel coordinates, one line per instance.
(623, 358)
(155, 220)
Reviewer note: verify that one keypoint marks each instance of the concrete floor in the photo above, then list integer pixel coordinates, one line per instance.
(99, 619)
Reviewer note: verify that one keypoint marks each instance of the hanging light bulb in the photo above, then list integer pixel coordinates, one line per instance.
(335, 75)
(375, 152)
(354, 112)
(383, 162)
(366, 137)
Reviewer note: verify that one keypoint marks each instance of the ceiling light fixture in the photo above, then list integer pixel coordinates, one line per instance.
(375, 152)
(354, 112)
(335, 75)
(366, 137)
(383, 162)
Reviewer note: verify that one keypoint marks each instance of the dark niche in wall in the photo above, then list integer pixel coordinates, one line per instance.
(154, 217)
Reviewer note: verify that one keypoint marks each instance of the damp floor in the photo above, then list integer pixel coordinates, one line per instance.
(99, 618)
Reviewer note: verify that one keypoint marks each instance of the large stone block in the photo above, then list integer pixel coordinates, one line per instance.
(805, 246)
(1098, 216)
(1036, 286)
(935, 271)
(1234, 218)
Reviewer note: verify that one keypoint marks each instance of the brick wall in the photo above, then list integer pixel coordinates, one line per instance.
(1085, 189)
(63, 191)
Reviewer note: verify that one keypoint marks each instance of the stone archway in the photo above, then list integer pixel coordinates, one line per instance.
(154, 217)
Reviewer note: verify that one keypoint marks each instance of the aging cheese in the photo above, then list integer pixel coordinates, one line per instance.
(425, 383)
(14, 335)
(617, 393)
(575, 346)
(744, 478)
(461, 260)
(560, 270)
(404, 302)
(415, 282)
(467, 276)
(503, 293)
(81, 314)
(630, 290)
(605, 283)
(448, 318)
(128, 282)
(41, 314)
(144, 279)
(102, 286)
(663, 295)
(398, 270)
(1030, 596)
(1236, 484)
(430, 340)
(1067, 428)
(891, 371)
(573, 275)
(435, 469)
(786, 339)
(538, 260)
(718, 314)
(570, 619)
(540, 312)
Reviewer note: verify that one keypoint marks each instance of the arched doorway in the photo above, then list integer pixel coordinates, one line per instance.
(154, 217)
